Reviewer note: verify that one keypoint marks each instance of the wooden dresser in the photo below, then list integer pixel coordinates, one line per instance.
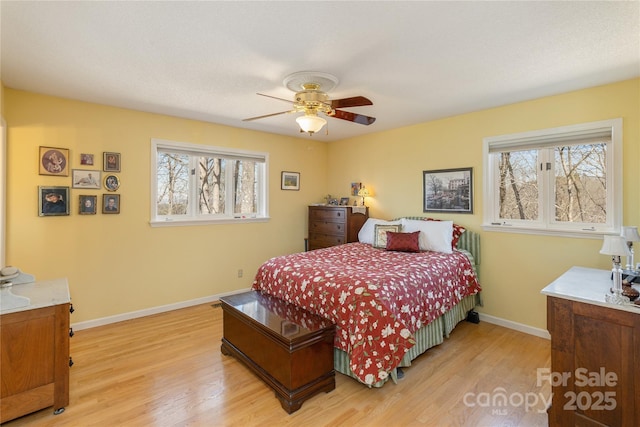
(334, 225)
(35, 350)
(595, 352)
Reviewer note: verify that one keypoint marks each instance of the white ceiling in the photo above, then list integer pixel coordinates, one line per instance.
(417, 61)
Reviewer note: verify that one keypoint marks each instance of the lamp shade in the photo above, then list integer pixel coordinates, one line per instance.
(364, 192)
(614, 245)
(630, 234)
(311, 123)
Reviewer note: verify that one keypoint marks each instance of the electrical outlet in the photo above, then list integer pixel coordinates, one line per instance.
(239, 273)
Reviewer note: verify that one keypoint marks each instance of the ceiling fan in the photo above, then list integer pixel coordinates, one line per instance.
(311, 99)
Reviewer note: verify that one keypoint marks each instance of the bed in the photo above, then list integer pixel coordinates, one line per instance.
(389, 305)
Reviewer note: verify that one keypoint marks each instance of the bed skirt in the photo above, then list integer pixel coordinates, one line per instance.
(426, 337)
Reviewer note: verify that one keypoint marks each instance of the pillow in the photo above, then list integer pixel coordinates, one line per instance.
(458, 230)
(403, 242)
(434, 235)
(368, 230)
(380, 235)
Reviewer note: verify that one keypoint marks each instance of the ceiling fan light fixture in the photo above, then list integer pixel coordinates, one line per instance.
(311, 123)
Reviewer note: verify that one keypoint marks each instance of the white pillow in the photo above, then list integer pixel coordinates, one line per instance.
(434, 235)
(367, 233)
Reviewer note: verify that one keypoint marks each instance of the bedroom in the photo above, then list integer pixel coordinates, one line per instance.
(119, 267)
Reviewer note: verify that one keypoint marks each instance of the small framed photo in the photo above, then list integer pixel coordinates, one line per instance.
(53, 201)
(82, 178)
(290, 181)
(344, 201)
(86, 159)
(88, 205)
(111, 162)
(54, 161)
(110, 203)
(111, 182)
(448, 190)
(355, 187)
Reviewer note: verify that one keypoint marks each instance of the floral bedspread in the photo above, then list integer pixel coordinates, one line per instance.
(378, 299)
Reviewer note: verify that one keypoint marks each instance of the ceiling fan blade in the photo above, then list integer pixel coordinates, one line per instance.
(356, 101)
(275, 97)
(268, 115)
(353, 117)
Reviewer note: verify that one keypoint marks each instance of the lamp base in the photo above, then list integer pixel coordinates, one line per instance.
(616, 298)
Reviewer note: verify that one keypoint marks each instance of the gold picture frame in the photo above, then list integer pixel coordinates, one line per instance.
(53, 161)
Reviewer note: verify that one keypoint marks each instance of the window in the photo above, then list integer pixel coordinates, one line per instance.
(192, 184)
(566, 180)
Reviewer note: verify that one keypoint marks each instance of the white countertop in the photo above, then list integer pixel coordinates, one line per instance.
(589, 285)
(40, 294)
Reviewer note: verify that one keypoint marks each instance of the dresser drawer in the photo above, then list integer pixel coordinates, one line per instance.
(328, 214)
(317, 241)
(336, 228)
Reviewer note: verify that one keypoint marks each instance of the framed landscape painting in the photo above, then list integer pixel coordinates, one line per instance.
(448, 190)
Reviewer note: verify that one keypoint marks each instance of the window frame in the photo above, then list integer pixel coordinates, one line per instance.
(544, 140)
(192, 217)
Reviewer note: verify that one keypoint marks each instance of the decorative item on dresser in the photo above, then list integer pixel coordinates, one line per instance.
(335, 225)
(595, 347)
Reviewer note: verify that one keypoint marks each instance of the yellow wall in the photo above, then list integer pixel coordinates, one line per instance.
(515, 267)
(117, 263)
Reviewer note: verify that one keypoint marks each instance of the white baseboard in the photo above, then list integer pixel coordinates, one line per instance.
(149, 311)
(542, 333)
(175, 306)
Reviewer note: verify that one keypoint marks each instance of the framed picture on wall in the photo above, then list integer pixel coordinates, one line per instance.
(54, 161)
(53, 201)
(81, 178)
(111, 162)
(110, 203)
(290, 181)
(448, 190)
(87, 205)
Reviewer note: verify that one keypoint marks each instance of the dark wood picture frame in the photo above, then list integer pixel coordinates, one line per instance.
(108, 207)
(290, 181)
(448, 190)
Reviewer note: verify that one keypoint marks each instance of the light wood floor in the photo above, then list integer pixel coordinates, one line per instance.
(167, 370)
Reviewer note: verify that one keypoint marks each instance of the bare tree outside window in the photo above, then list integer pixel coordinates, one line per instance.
(208, 183)
(581, 191)
(559, 181)
(519, 185)
(173, 184)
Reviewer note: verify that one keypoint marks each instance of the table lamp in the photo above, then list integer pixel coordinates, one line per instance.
(631, 235)
(616, 246)
(364, 192)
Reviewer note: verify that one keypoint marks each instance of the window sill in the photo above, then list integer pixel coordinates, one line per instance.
(171, 222)
(581, 234)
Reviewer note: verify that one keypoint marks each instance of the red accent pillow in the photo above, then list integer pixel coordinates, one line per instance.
(403, 242)
(457, 232)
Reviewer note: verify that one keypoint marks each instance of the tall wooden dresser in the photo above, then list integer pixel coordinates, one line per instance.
(595, 350)
(334, 225)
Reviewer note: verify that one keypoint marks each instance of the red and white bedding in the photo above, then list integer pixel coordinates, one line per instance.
(377, 298)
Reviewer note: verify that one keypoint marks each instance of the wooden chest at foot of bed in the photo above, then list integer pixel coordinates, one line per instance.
(289, 348)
